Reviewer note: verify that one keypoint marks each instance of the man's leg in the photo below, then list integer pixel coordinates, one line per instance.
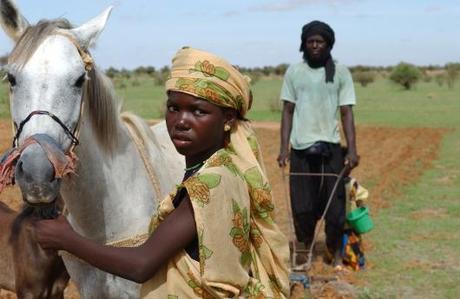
(335, 217)
(303, 198)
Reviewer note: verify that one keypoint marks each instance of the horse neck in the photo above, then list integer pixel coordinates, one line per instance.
(110, 197)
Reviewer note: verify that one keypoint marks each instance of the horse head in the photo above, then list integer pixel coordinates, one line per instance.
(48, 70)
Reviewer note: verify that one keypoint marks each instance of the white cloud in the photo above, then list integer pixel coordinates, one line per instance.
(231, 13)
(432, 9)
(290, 5)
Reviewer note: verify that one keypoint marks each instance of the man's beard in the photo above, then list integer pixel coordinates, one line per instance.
(315, 62)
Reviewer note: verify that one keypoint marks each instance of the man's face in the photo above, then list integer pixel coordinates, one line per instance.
(316, 48)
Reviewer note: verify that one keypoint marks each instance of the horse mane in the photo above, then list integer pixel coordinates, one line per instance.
(32, 38)
(98, 91)
(103, 109)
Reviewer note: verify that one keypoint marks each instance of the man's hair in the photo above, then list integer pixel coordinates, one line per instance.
(320, 28)
(324, 30)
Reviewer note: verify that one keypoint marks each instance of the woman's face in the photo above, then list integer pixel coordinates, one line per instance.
(196, 126)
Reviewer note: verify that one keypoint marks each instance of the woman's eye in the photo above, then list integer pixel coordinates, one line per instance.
(171, 108)
(80, 81)
(199, 112)
(11, 79)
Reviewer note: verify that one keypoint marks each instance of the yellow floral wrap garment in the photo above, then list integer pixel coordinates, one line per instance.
(242, 252)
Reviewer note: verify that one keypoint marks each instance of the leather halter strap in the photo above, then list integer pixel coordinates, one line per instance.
(69, 133)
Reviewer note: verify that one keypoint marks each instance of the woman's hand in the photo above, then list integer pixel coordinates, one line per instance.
(54, 234)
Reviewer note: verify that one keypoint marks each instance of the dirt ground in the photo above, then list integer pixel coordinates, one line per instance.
(390, 159)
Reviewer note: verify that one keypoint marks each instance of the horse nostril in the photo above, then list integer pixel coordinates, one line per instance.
(52, 178)
(19, 167)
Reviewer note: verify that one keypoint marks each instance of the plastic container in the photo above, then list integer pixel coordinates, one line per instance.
(360, 220)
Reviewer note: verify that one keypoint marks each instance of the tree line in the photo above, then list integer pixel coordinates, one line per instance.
(407, 75)
(160, 75)
(404, 74)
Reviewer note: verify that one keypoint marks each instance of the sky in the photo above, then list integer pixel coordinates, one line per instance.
(256, 33)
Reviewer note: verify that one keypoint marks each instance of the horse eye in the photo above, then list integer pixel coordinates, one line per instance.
(80, 81)
(11, 79)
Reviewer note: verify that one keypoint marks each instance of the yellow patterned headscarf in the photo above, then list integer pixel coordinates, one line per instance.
(209, 77)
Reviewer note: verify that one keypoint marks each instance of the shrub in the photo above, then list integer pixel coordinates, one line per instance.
(144, 70)
(440, 78)
(275, 105)
(364, 77)
(112, 72)
(406, 75)
(120, 83)
(427, 78)
(135, 82)
(452, 72)
(125, 73)
(255, 77)
(160, 78)
(281, 69)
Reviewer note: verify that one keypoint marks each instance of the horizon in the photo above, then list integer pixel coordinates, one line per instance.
(371, 67)
(262, 33)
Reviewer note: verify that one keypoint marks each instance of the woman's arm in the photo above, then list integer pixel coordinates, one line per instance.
(138, 264)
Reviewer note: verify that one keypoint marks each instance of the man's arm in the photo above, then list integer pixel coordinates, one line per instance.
(348, 124)
(286, 126)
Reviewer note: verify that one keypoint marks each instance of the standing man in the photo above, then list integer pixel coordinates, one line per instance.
(313, 92)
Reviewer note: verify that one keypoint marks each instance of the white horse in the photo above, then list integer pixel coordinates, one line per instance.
(58, 96)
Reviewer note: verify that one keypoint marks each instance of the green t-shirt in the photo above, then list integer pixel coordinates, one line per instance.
(316, 102)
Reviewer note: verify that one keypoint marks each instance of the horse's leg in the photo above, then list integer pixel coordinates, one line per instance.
(6, 258)
(59, 279)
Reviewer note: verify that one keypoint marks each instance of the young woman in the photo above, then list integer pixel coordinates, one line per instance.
(215, 235)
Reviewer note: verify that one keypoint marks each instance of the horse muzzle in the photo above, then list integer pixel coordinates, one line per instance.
(35, 175)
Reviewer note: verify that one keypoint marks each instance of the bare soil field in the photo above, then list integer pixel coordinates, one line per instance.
(390, 159)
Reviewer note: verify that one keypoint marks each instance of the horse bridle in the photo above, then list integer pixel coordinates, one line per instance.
(73, 138)
(88, 61)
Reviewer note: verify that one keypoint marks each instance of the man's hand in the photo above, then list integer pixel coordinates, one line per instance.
(283, 158)
(351, 161)
(348, 124)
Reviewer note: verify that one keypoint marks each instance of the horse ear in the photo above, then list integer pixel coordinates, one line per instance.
(88, 33)
(11, 20)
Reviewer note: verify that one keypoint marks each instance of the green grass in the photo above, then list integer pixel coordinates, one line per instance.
(266, 103)
(4, 104)
(432, 243)
(145, 99)
(413, 258)
(428, 105)
(416, 258)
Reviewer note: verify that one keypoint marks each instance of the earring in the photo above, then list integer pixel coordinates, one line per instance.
(227, 128)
